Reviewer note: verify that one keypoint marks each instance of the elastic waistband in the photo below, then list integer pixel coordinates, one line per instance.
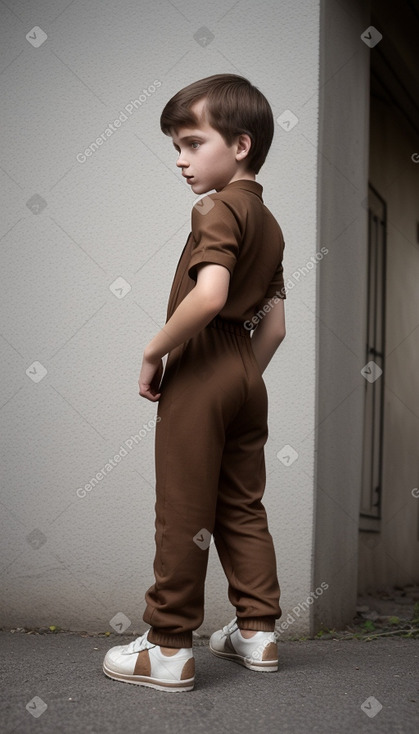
(234, 327)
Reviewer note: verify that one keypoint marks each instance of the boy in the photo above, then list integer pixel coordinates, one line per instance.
(209, 443)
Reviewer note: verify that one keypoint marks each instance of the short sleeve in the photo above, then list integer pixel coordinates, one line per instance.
(276, 286)
(216, 235)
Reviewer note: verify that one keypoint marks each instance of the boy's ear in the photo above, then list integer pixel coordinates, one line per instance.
(244, 143)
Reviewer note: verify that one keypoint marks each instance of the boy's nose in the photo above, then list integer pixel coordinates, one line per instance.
(181, 163)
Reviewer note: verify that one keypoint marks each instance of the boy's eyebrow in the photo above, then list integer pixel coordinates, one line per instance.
(189, 137)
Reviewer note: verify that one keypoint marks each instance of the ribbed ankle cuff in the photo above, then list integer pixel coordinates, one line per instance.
(264, 624)
(163, 639)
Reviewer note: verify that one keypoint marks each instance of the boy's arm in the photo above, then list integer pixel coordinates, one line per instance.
(196, 310)
(269, 333)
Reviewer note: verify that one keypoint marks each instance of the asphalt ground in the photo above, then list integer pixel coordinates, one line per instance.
(52, 683)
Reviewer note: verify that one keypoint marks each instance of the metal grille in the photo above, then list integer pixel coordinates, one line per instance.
(370, 513)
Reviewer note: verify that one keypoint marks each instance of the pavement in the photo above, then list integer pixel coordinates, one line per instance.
(53, 683)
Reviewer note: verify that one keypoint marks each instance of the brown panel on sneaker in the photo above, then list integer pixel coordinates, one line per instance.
(188, 670)
(228, 646)
(143, 665)
(270, 652)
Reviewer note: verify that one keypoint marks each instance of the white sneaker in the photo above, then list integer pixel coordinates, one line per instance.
(259, 652)
(142, 662)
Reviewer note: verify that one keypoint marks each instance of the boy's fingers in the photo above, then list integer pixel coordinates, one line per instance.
(146, 392)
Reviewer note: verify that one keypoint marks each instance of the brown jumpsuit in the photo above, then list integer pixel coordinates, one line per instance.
(209, 442)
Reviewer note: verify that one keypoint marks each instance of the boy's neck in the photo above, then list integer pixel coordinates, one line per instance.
(240, 176)
(243, 176)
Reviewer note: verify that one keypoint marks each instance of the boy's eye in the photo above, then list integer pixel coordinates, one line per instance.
(194, 144)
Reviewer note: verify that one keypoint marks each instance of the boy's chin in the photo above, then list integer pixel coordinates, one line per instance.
(202, 188)
(199, 188)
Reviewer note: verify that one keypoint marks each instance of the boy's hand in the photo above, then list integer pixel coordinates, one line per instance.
(150, 376)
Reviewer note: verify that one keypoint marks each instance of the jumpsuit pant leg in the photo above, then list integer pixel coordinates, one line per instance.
(210, 477)
(241, 534)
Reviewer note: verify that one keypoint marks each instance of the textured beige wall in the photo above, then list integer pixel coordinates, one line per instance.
(73, 224)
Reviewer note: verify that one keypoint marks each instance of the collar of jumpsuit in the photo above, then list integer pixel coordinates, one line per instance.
(243, 183)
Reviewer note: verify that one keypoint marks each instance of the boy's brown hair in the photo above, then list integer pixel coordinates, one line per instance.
(233, 106)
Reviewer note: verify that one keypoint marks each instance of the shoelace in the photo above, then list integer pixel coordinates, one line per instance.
(232, 627)
(141, 643)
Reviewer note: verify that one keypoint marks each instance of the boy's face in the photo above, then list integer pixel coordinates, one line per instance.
(207, 162)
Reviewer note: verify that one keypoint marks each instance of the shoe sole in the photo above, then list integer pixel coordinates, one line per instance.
(142, 680)
(268, 666)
